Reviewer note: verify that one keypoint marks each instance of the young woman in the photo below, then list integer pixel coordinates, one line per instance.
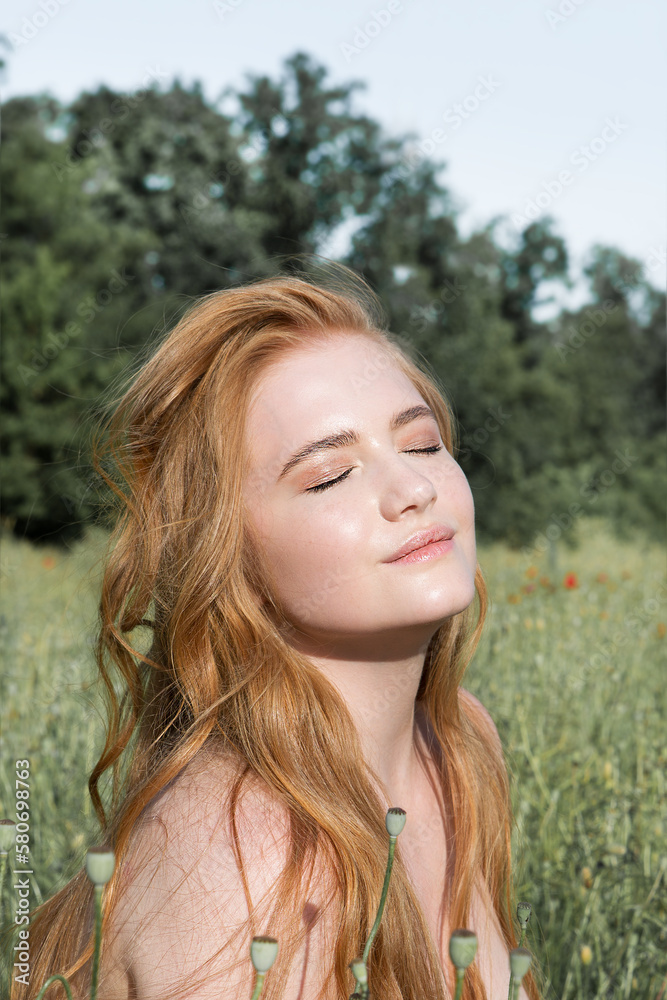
(299, 538)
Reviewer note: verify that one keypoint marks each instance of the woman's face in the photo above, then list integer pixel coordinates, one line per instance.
(327, 524)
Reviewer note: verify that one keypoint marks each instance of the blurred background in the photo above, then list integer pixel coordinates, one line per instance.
(497, 175)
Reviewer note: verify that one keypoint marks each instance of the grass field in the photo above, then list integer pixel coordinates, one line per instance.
(573, 669)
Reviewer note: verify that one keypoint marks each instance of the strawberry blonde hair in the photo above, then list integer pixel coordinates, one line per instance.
(219, 676)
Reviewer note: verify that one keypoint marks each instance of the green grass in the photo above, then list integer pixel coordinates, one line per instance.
(574, 678)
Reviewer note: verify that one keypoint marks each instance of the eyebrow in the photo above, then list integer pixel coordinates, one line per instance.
(349, 437)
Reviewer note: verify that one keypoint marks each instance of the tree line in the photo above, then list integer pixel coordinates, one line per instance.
(119, 208)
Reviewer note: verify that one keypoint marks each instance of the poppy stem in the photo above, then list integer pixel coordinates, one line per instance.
(258, 985)
(52, 979)
(99, 889)
(387, 876)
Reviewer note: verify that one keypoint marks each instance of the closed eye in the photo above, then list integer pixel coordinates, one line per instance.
(332, 482)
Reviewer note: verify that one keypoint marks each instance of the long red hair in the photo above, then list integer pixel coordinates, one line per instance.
(219, 673)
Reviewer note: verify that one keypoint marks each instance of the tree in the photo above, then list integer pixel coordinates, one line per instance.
(168, 163)
(122, 207)
(612, 352)
(68, 282)
(316, 162)
(539, 256)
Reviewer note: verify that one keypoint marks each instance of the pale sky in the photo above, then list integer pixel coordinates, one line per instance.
(542, 87)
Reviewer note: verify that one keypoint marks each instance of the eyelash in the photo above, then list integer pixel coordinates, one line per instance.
(332, 482)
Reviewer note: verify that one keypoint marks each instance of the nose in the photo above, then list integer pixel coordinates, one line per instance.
(403, 486)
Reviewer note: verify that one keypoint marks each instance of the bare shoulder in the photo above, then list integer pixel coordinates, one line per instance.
(187, 829)
(193, 811)
(479, 714)
(183, 907)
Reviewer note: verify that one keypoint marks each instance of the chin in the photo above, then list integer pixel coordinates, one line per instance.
(443, 611)
(463, 599)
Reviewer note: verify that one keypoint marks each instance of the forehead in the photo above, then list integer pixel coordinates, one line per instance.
(322, 388)
(348, 375)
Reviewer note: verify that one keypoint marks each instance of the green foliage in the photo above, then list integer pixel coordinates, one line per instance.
(317, 162)
(66, 284)
(539, 256)
(123, 206)
(168, 163)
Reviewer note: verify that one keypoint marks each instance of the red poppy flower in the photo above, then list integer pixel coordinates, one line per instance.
(570, 581)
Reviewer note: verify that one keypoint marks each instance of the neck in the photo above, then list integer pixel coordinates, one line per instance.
(381, 696)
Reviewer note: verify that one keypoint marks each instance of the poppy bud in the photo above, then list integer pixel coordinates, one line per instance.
(462, 948)
(263, 952)
(520, 959)
(100, 863)
(395, 821)
(7, 835)
(523, 912)
(359, 970)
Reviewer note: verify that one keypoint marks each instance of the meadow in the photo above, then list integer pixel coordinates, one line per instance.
(572, 667)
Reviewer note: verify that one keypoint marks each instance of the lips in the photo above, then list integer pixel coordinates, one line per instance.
(437, 533)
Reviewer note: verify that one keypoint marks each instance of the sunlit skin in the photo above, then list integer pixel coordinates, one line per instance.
(364, 622)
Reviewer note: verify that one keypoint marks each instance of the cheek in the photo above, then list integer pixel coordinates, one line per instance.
(297, 553)
(314, 570)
